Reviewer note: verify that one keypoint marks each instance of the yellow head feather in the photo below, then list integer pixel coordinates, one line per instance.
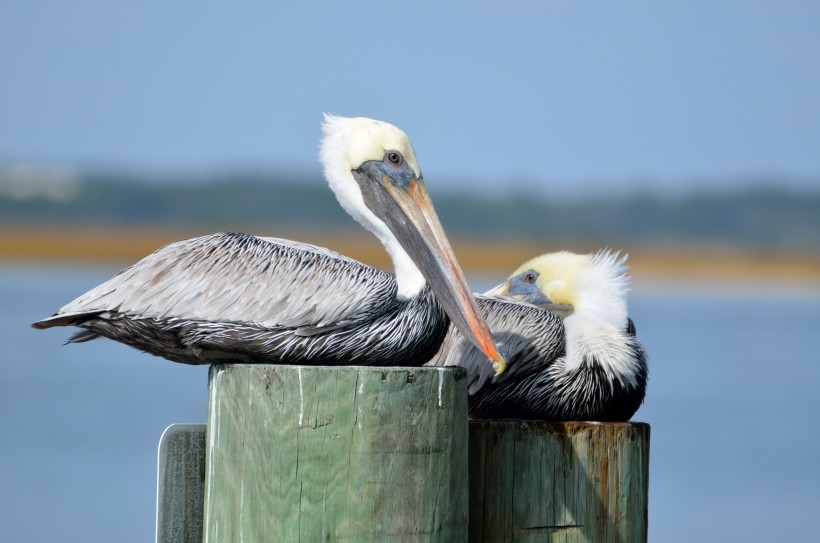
(360, 139)
(559, 273)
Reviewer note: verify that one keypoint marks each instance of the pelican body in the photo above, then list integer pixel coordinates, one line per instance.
(561, 323)
(239, 298)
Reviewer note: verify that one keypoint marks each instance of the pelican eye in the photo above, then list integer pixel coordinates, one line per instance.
(530, 276)
(393, 157)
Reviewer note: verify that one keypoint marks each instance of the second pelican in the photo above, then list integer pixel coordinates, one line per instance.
(574, 357)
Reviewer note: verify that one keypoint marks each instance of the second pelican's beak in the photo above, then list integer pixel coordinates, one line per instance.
(499, 290)
(399, 198)
(516, 288)
(522, 287)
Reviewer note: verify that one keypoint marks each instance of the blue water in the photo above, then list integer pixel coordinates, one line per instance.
(734, 404)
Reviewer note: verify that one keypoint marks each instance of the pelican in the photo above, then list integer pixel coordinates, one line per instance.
(237, 298)
(561, 323)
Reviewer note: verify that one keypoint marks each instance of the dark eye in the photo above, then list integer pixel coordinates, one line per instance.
(530, 277)
(393, 157)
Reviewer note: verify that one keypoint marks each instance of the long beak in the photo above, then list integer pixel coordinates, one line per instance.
(539, 299)
(408, 212)
(499, 290)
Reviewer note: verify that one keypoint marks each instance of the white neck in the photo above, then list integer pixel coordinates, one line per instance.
(409, 280)
(597, 327)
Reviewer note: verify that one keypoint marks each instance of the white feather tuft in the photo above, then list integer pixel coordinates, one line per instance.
(597, 328)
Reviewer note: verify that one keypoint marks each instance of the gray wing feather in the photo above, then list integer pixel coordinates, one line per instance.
(239, 278)
(528, 337)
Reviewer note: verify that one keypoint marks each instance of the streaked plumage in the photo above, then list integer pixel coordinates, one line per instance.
(574, 357)
(233, 297)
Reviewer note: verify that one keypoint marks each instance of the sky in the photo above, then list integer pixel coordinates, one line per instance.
(565, 96)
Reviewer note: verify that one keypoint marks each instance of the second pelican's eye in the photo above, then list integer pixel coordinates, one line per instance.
(393, 157)
(530, 277)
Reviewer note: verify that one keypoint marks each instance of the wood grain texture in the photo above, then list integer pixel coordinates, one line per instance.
(181, 484)
(549, 482)
(336, 454)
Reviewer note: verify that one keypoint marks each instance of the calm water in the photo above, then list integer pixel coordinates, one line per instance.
(734, 404)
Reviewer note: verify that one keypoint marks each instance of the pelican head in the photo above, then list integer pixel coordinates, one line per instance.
(372, 168)
(589, 292)
(566, 282)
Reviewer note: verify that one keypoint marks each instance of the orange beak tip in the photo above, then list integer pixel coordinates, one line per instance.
(499, 365)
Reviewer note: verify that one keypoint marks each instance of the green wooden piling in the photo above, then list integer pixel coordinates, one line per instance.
(180, 484)
(569, 482)
(336, 454)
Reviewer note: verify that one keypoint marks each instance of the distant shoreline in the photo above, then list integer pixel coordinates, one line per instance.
(689, 263)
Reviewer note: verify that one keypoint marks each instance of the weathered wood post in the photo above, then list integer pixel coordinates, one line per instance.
(297, 453)
(180, 484)
(570, 482)
(563, 497)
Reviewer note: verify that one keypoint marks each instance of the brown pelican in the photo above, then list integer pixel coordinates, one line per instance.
(233, 297)
(561, 323)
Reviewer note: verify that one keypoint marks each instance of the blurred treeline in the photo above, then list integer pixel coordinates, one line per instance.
(754, 218)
